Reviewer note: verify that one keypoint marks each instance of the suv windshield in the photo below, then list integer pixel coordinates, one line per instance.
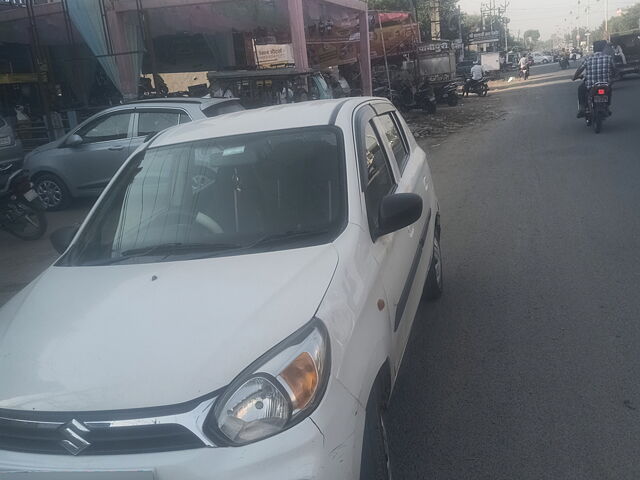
(220, 196)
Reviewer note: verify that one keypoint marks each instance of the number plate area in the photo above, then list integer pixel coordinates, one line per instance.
(601, 99)
(30, 195)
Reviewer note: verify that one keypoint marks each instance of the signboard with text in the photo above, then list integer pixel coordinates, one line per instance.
(484, 37)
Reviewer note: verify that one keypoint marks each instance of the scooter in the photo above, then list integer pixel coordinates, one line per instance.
(21, 210)
(598, 105)
(479, 87)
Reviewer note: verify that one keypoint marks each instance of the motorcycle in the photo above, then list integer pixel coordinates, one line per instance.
(21, 210)
(524, 73)
(448, 93)
(564, 63)
(479, 87)
(597, 105)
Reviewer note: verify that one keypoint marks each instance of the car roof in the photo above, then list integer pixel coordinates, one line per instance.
(277, 117)
(202, 102)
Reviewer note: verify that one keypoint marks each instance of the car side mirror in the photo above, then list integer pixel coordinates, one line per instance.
(397, 211)
(73, 140)
(61, 238)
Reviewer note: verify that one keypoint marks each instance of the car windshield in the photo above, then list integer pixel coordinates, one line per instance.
(219, 196)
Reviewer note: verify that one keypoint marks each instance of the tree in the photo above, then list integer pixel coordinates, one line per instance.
(531, 37)
(448, 14)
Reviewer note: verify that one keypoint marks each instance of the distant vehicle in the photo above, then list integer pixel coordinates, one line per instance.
(597, 106)
(82, 162)
(541, 58)
(11, 153)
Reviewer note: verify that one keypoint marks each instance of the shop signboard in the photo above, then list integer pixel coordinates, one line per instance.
(272, 55)
(484, 37)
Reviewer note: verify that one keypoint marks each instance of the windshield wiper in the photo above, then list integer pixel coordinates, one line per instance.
(286, 236)
(167, 249)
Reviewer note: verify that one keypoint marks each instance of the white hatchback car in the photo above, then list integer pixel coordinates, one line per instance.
(236, 305)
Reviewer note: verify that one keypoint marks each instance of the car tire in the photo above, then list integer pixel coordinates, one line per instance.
(545, 61)
(433, 287)
(376, 459)
(53, 193)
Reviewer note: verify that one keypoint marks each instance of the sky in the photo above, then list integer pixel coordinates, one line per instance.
(552, 16)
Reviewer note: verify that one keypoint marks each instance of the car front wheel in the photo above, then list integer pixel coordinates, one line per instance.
(376, 458)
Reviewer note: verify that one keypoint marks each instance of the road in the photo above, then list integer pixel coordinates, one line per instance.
(529, 366)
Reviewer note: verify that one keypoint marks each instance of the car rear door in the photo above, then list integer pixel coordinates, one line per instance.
(150, 120)
(104, 148)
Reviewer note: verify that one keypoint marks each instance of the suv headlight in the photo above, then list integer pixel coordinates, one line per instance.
(277, 391)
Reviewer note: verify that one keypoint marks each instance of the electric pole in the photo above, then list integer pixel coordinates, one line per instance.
(434, 15)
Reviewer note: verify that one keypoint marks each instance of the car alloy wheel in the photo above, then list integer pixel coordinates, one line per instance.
(52, 192)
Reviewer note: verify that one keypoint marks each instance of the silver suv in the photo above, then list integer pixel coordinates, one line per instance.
(81, 163)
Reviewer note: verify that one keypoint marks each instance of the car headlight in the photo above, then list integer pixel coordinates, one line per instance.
(6, 141)
(276, 392)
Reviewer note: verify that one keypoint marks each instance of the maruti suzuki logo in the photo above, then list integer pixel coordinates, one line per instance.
(73, 433)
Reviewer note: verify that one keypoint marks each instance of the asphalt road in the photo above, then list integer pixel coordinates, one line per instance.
(529, 366)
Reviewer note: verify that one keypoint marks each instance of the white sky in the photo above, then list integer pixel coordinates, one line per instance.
(549, 16)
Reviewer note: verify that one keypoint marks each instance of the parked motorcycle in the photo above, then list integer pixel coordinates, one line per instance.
(598, 105)
(448, 93)
(21, 210)
(479, 87)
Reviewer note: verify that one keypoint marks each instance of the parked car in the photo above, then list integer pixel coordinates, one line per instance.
(11, 153)
(247, 282)
(82, 162)
(539, 58)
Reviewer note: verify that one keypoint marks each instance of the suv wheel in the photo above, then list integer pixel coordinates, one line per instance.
(53, 193)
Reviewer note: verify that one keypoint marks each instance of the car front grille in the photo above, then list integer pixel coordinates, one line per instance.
(160, 429)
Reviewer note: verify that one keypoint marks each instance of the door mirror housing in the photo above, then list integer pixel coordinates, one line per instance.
(61, 238)
(397, 211)
(73, 140)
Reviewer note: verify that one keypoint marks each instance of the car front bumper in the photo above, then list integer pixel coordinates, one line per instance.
(300, 453)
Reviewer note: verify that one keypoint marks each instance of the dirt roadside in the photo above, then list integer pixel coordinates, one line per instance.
(470, 111)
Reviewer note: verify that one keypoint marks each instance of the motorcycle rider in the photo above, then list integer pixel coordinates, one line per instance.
(598, 68)
(477, 73)
(523, 64)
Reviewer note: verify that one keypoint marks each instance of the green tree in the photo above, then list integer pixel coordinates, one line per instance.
(531, 37)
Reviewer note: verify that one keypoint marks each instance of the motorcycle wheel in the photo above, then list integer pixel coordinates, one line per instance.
(430, 107)
(483, 91)
(452, 100)
(26, 221)
(597, 121)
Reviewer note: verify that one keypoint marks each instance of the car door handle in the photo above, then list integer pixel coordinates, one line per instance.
(117, 147)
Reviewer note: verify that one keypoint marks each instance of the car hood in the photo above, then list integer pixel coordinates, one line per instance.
(128, 336)
(47, 146)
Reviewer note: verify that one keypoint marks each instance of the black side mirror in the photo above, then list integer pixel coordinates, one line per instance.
(397, 211)
(73, 140)
(61, 238)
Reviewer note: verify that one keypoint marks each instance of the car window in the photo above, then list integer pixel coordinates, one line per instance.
(391, 134)
(154, 122)
(379, 179)
(184, 118)
(222, 108)
(112, 127)
(231, 194)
